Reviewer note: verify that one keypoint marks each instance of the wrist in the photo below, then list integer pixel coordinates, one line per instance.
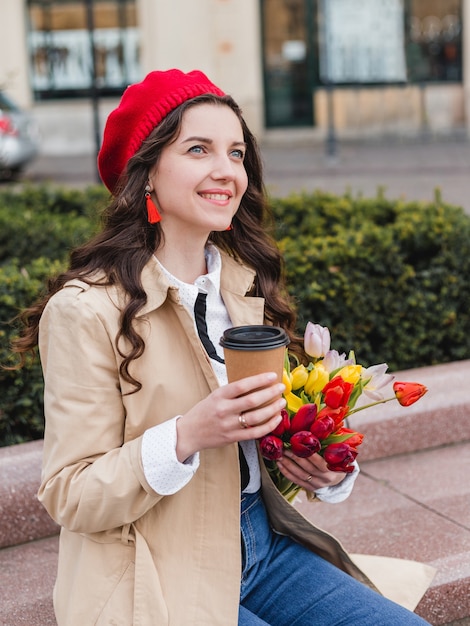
(185, 444)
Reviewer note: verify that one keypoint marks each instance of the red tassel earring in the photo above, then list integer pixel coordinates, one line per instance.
(153, 215)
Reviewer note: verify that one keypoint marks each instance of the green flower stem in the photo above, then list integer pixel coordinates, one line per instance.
(367, 406)
(287, 488)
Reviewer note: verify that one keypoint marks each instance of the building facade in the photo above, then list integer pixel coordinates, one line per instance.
(358, 67)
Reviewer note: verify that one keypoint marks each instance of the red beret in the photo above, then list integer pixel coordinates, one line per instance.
(142, 107)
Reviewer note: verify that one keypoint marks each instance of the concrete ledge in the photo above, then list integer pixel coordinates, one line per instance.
(448, 597)
(22, 516)
(441, 417)
(27, 575)
(414, 506)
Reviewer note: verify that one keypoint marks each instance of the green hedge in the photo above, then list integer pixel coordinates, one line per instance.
(47, 221)
(38, 228)
(389, 278)
(21, 402)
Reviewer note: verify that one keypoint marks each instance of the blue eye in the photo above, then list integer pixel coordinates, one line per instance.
(196, 149)
(238, 154)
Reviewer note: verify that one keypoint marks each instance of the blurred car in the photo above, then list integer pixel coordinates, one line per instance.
(19, 139)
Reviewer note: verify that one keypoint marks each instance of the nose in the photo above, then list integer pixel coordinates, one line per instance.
(223, 168)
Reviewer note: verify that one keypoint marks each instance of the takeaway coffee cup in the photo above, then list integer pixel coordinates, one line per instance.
(250, 350)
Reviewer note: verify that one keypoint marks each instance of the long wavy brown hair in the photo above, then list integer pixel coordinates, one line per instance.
(126, 242)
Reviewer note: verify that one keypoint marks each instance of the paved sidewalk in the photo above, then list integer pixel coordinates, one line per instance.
(411, 169)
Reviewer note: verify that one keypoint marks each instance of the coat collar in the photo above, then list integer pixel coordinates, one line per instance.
(235, 281)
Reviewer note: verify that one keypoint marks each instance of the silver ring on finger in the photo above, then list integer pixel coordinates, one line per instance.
(309, 478)
(242, 421)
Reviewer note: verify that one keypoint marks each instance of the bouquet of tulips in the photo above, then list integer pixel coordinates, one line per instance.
(320, 397)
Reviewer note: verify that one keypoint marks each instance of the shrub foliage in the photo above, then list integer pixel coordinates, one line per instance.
(38, 228)
(389, 278)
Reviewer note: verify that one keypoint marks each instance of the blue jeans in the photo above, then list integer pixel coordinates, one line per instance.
(284, 584)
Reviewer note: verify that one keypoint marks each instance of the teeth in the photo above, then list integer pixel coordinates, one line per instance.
(215, 196)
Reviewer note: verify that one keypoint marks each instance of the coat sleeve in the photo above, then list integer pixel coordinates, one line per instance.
(91, 480)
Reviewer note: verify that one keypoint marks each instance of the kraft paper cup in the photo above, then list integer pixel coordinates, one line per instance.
(250, 350)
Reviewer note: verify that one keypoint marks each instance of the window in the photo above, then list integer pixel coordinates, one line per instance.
(287, 59)
(63, 34)
(434, 48)
(389, 41)
(362, 41)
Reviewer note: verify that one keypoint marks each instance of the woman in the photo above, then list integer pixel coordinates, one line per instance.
(141, 463)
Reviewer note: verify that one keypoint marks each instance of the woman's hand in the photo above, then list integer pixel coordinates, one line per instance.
(246, 409)
(311, 473)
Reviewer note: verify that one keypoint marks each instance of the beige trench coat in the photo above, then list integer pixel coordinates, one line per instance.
(128, 555)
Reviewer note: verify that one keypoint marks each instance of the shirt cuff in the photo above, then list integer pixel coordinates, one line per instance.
(163, 471)
(341, 491)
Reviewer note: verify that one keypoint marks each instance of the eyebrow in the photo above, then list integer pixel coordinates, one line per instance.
(210, 141)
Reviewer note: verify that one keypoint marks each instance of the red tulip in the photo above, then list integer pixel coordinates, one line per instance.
(354, 440)
(337, 414)
(271, 447)
(304, 444)
(337, 392)
(323, 427)
(408, 393)
(346, 466)
(283, 425)
(304, 418)
(339, 457)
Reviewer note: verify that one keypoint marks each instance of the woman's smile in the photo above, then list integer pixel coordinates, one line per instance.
(218, 196)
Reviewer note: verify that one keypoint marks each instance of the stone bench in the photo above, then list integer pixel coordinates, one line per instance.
(28, 540)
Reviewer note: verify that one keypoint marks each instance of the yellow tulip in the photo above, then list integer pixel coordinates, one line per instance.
(317, 379)
(350, 373)
(293, 402)
(299, 377)
(287, 380)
